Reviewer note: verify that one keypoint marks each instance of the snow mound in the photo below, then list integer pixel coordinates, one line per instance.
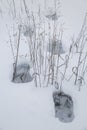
(22, 74)
(55, 47)
(63, 107)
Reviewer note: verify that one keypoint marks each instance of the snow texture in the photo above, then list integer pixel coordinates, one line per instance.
(51, 14)
(24, 107)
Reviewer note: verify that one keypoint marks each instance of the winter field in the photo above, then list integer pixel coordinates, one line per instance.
(35, 25)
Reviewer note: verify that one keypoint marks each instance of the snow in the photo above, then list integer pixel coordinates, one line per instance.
(25, 107)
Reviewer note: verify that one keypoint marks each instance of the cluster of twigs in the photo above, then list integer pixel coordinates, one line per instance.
(49, 67)
(81, 51)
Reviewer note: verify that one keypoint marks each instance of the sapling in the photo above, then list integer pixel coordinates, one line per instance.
(58, 56)
(11, 45)
(77, 43)
(16, 61)
(32, 45)
(14, 8)
(79, 60)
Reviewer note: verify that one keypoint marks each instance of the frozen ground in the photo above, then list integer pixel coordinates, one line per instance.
(24, 107)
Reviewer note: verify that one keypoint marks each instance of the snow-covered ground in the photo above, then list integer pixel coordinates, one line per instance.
(25, 107)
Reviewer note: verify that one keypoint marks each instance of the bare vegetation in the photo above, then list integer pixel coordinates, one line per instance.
(43, 35)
